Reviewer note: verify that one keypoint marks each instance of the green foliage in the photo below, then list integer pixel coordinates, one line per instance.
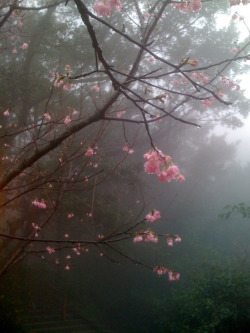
(215, 302)
(240, 209)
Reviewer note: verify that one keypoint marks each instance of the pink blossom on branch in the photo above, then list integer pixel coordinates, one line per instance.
(153, 215)
(190, 6)
(96, 88)
(150, 237)
(67, 120)
(173, 276)
(161, 165)
(234, 50)
(89, 152)
(104, 7)
(170, 241)
(24, 46)
(38, 204)
(160, 270)
(137, 239)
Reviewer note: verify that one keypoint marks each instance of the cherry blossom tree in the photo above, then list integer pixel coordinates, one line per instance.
(62, 119)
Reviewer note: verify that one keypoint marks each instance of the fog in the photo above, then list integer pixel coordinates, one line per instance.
(74, 265)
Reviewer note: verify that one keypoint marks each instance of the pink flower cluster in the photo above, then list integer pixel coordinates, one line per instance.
(58, 82)
(153, 215)
(229, 84)
(50, 249)
(39, 204)
(161, 270)
(190, 6)
(126, 148)
(89, 152)
(47, 116)
(67, 120)
(96, 88)
(170, 240)
(162, 165)
(173, 276)
(6, 113)
(149, 237)
(104, 7)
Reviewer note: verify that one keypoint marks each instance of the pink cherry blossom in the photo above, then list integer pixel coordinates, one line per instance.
(25, 46)
(146, 15)
(195, 5)
(152, 59)
(102, 8)
(153, 215)
(67, 120)
(89, 152)
(177, 239)
(67, 267)
(66, 236)
(36, 226)
(131, 151)
(74, 112)
(58, 83)
(38, 204)
(100, 236)
(230, 85)
(150, 237)
(173, 276)
(137, 239)
(193, 62)
(6, 113)
(160, 270)
(50, 249)
(170, 241)
(206, 103)
(180, 178)
(205, 79)
(234, 50)
(115, 4)
(96, 88)
(14, 51)
(125, 147)
(235, 16)
(65, 87)
(47, 116)
(169, 174)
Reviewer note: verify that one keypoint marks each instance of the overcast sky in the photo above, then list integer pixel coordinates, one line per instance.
(242, 134)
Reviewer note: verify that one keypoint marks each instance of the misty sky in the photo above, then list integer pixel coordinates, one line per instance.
(241, 135)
